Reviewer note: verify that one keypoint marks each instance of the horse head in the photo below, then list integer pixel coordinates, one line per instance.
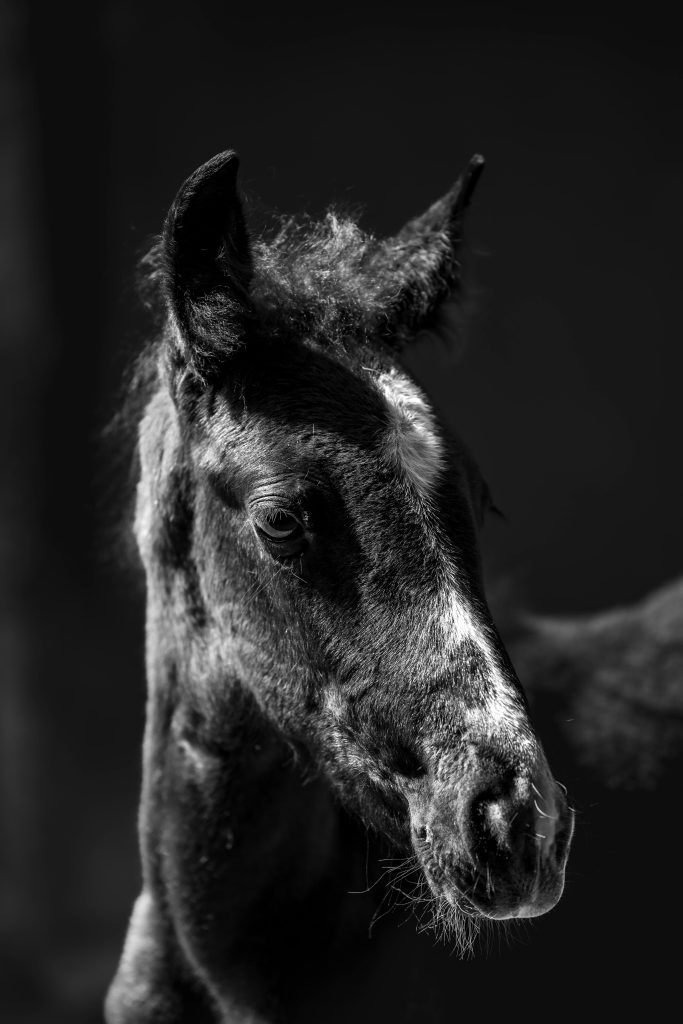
(314, 526)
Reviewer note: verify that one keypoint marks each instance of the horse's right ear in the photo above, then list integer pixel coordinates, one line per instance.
(421, 265)
(206, 267)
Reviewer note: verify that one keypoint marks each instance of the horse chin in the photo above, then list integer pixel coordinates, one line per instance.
(450, 916)
(446, 891)
(496, 902)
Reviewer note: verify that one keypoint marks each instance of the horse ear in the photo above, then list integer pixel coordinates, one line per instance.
(206, 266)
(421, 264)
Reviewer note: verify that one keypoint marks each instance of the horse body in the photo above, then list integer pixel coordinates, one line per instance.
(609, 688)
(318, 639)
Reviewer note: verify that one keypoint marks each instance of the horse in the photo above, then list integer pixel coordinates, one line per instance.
(325, 679)
(608, 685)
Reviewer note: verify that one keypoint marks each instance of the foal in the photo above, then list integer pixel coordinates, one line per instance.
(319, 647)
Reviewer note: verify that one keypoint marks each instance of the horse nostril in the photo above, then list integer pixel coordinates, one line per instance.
(497, 818)
(421, 833)
(512, 821)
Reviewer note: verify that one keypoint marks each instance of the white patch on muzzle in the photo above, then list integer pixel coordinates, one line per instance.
(500, 711)
(413, 444)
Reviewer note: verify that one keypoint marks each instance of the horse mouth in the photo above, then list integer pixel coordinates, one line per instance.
(454, 889)
(480, 893)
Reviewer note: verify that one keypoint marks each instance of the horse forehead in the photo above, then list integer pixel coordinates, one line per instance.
(383, 413)
(377, 414)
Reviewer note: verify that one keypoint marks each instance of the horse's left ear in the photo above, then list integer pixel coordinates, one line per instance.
(421, 265)
(206, 266)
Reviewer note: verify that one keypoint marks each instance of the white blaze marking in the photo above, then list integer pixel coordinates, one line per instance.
(414, 446)
(500, 711)
(413, 443)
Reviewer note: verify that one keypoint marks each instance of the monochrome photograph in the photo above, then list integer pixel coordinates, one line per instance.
(342, 562)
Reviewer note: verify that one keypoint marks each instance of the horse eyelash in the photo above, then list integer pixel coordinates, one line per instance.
(271, 514)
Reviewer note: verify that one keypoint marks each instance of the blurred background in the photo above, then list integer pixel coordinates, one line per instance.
(569, 392)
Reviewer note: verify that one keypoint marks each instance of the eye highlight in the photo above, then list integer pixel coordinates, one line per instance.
(280, 526)
(281, 533)
(280, 517)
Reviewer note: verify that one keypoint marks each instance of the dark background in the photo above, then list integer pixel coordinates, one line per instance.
(568, 394)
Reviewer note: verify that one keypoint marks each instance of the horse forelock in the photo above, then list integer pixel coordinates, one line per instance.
(312, 276)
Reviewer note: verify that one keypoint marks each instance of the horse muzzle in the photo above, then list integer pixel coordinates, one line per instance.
(500, 851)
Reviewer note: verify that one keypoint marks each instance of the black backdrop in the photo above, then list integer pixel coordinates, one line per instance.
(568, 393)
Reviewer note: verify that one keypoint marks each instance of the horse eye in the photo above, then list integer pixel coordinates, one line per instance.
(280, 526)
